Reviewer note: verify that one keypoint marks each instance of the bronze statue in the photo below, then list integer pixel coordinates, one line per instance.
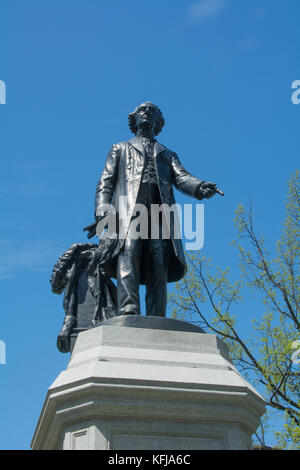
(89, 295)
(142, 171)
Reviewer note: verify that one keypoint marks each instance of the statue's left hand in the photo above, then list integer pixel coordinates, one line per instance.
(208, 190)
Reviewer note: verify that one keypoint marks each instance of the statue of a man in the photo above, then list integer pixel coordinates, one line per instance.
(142, 171)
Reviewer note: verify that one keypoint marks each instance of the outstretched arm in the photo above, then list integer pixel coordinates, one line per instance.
(191, 185)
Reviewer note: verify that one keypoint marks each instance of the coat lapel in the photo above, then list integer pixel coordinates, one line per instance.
(158, 148)
(137, 144)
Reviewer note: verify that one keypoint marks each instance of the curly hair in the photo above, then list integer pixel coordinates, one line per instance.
(59, 277)
(132, 120)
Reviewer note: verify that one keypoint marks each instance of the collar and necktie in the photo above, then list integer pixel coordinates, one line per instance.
(149, 173)
(148, 144)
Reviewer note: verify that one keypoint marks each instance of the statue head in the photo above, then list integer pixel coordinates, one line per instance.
(146, 114)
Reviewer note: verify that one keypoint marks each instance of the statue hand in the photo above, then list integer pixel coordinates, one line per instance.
(63, 339)
(91, 229)
(63, 343)
(208, 190)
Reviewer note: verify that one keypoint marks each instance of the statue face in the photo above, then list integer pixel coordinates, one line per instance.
(146, 115)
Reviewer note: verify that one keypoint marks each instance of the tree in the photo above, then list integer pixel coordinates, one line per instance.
(269, 359)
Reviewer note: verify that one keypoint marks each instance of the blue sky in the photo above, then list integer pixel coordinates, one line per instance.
(220, 70)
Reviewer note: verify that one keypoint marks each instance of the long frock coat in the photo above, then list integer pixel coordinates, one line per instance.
(122, 176)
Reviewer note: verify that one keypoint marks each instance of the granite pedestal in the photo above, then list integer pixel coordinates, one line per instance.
(167, 386)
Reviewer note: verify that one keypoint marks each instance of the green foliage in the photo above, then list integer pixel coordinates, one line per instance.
(212, 300)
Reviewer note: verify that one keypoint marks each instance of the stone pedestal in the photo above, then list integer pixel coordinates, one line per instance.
(148, 388)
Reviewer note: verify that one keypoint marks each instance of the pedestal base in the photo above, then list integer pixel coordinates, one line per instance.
(144, 388)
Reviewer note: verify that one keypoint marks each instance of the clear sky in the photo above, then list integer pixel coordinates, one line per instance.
(220, 70)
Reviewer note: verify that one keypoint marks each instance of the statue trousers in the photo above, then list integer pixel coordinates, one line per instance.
(146, 258)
